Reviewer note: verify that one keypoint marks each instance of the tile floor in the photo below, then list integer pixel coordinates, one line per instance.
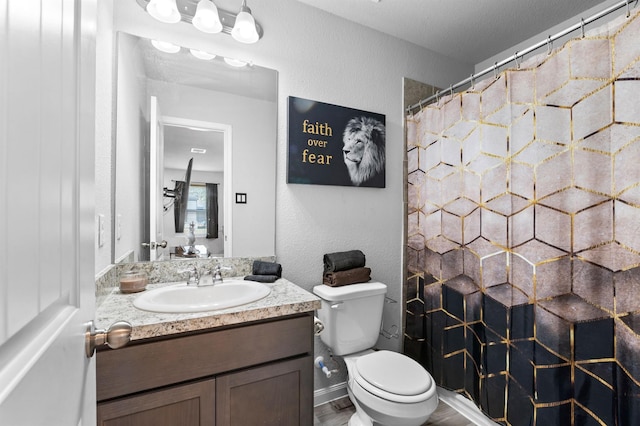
(338, 412)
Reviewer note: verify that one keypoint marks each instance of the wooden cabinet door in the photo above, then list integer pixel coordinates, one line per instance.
(186, 405)
(278, 394)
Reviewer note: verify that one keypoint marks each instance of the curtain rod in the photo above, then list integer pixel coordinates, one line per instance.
(548, 42)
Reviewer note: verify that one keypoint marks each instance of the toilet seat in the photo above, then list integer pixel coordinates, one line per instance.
(394, 377)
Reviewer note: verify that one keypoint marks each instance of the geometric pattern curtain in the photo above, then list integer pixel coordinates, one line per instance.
(523, 236)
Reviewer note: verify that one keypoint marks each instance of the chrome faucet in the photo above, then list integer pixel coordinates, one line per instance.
(216, 273)
(198, 279)
(194, 275)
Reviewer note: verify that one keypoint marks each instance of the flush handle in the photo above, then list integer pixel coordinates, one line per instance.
(116, 336)
(337, 305)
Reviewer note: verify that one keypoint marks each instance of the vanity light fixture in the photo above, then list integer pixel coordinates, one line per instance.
(207, 18)
(244, 30)
(201, 54)
(164, 10)
(235, 62)
(165, 46)
(198, 150)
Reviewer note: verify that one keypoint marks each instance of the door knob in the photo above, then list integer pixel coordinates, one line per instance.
(116, 336)
(154, 245)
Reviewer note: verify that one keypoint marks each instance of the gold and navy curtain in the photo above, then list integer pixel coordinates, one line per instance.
(523, 235)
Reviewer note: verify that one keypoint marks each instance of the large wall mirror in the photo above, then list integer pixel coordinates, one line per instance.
(202, 124)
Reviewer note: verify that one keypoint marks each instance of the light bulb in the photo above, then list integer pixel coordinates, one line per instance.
(244, 29)
(201, 54)
(165, 46)
(207, 18)
(235, 62)
(164, 11)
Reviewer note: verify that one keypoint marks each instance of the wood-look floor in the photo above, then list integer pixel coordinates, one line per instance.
(338, 412)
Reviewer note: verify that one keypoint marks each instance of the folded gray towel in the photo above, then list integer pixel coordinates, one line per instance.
(341, 261)
(261, 278)
(267, 268)
(350, 276)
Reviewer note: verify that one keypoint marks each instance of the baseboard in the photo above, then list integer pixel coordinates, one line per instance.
(333, 392)
(465, 407)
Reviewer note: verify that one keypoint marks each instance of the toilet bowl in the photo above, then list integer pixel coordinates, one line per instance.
(390, 389)
(386, 387)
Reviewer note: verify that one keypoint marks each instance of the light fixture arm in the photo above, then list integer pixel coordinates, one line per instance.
(244, 7)
(228, 19)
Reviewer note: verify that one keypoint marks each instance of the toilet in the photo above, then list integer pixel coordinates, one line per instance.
(385, 387)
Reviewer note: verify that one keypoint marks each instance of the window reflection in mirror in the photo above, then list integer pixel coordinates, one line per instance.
(197, 209)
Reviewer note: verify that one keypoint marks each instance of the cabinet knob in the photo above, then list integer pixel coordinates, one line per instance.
(116, 336)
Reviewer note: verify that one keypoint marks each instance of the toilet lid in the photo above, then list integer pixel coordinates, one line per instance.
(394, 373)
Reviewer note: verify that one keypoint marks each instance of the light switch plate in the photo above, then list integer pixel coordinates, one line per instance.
(241, 198)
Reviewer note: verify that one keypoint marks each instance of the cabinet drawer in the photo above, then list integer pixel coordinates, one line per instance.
(143, 366)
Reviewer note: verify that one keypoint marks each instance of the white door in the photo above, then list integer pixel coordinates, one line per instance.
(156, 180)
(47, 219)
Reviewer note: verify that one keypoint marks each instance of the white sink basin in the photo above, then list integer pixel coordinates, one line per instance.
(183, 298)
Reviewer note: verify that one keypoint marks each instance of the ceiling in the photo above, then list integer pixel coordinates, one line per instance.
(180, 140)
(470, 31)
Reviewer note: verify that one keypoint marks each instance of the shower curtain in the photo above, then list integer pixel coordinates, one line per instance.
(523, 235)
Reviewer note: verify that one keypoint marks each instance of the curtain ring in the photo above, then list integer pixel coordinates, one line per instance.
(451, 90)
(582, 26)
(438, 97)
(420, 104)
(549, 45)
(515, 55)
(628, 10)
(495, 70)
(473, 84)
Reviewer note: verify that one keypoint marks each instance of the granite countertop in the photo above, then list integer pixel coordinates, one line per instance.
(285, 298)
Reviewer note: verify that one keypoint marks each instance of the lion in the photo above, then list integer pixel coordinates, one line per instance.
(364, 149)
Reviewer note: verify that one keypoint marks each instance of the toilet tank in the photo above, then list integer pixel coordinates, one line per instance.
(351, 315)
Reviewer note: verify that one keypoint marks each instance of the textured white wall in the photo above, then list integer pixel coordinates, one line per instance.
(325, 58)
(488, 63)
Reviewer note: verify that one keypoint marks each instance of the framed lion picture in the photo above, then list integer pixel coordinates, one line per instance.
(335, 145)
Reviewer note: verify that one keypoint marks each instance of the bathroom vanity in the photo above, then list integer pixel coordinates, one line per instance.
(252, 364)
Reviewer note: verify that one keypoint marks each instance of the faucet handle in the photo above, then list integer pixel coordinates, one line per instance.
(216, 272)
(194, 276)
